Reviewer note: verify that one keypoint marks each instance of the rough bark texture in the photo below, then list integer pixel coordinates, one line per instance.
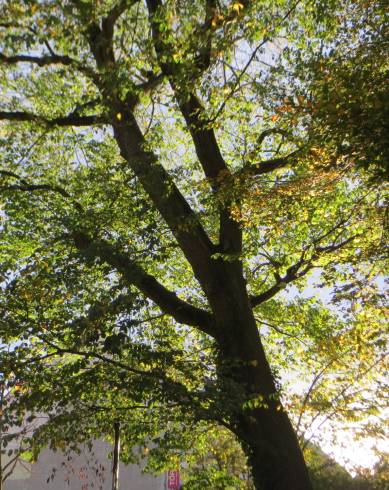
(265, 432)
(273, 453)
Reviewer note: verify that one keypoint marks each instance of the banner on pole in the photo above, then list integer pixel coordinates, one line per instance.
(173, 480)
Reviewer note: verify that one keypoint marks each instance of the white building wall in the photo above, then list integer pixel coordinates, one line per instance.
(89, 470)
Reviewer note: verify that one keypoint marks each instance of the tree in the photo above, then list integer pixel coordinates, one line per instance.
(167, 194)
(348, 91)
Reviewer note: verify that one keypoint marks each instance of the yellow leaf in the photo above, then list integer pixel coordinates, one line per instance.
(119, 116)
(237, 7)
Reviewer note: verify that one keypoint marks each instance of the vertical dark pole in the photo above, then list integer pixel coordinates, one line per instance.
(116, 453)
(2, 389)
(1, 467)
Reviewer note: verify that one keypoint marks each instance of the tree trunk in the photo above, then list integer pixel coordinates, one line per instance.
(258, 418)
(272, 451)
(265, 431)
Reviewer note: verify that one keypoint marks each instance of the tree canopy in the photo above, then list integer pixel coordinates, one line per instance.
(174, 175)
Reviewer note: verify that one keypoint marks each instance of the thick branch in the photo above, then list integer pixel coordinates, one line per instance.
(205, 33)
(167, 198)
(101, 38)
(172, 388)
(26, 186)
(297, 270)
(333, 247)
(69, 120)
(117, 10)
(167, 301)
(108, 360)
(38, 60)
(51, 59)
(158, 184)
(269, 132)
(268, 166)
(203, 135)
(291, 275)
(113, 15)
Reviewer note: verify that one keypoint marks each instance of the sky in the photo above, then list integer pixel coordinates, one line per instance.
(348, 452)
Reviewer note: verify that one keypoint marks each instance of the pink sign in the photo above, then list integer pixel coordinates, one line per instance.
(173, 480)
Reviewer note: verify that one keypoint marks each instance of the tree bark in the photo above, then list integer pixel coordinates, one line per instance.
(258, 418)
(272, 451)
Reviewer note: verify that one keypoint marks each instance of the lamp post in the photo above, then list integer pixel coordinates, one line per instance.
(116, 455)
